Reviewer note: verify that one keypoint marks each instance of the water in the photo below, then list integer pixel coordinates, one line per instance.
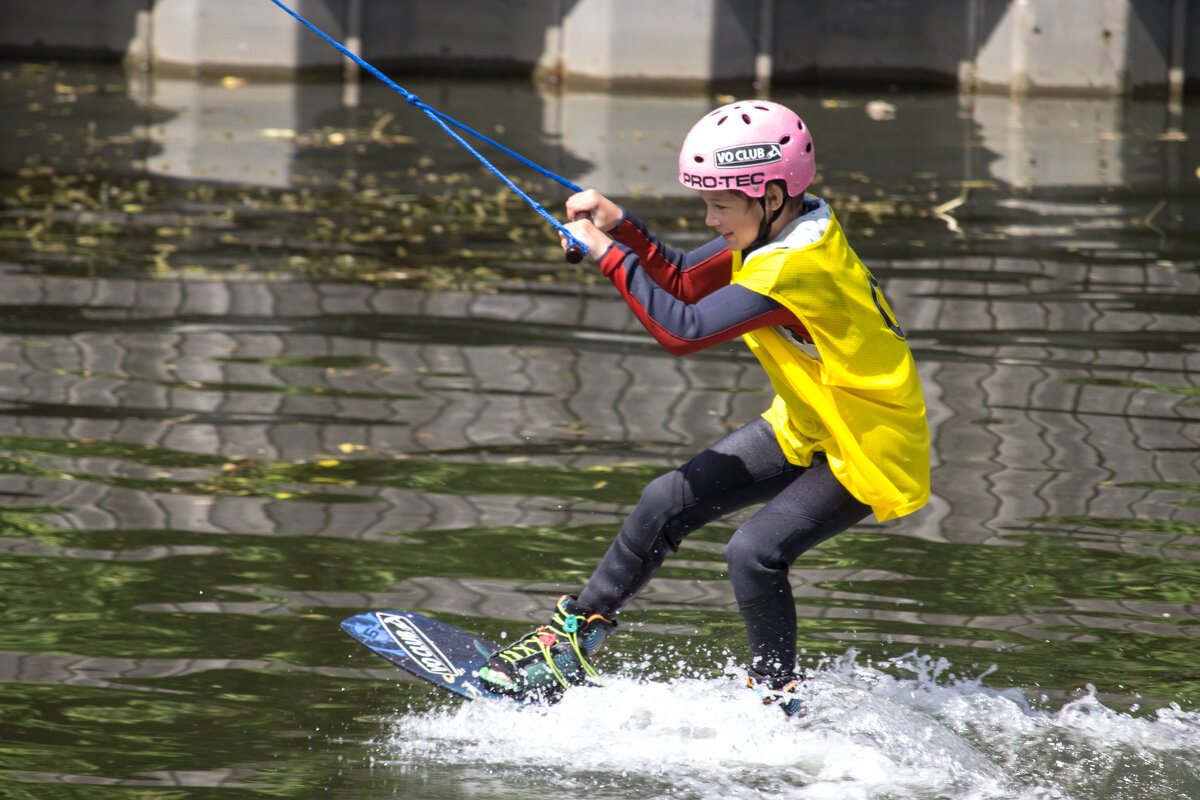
(867, 735)
(271, 360)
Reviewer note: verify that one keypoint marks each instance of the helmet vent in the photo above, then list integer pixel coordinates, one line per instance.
(721, 121)
(785, 140)
(808, 147)
(800, 124)
(698, 159)
(746, 118)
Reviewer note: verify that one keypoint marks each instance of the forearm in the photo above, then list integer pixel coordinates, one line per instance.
(680, 327)
(688, 275)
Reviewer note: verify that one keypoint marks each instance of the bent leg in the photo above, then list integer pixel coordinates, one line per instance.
(743, 468)
(811, 509)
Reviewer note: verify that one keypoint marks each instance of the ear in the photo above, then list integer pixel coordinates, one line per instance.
(774, 196)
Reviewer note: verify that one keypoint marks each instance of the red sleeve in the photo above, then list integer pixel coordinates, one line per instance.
(688, 276)
(682, 327)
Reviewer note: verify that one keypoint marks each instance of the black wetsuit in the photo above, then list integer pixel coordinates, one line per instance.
(686, 301)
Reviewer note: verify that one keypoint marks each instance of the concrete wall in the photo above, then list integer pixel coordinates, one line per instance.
(101, 29)
(872, 40)
(1108, 47)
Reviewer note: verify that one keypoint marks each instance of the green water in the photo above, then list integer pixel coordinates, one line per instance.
(261, 374)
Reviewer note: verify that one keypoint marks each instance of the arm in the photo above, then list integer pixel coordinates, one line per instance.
(680, 327)
(688, 276)
(595, 221)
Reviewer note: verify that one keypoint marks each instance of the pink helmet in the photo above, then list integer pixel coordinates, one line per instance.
(744, 146)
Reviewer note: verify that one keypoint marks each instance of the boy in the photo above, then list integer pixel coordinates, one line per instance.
(844, 437)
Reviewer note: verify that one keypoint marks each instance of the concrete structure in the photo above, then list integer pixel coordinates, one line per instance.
(1107, 47)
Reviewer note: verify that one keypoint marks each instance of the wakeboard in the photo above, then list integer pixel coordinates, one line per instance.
(426, 648)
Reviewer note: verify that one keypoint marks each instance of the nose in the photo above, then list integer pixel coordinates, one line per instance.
(710, 218)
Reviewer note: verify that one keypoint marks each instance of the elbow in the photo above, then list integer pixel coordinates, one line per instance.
(680, 347)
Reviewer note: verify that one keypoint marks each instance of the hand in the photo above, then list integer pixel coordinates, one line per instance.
(590, 204)
(591, 237)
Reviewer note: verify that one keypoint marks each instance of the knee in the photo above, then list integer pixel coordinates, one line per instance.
(746, 554)
(663, 494)
(651, 522)
(661, 501)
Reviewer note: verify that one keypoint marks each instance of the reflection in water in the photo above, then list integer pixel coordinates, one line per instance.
(270, 361)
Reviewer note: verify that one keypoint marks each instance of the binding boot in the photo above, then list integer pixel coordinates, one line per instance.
(777, 690)
(546, 662)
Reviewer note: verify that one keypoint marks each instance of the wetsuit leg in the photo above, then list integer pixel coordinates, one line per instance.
(742, 469)
(813, 507)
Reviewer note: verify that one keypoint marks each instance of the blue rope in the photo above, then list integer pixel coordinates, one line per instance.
(446, 124)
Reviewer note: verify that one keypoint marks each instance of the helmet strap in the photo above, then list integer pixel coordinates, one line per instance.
(764, 227)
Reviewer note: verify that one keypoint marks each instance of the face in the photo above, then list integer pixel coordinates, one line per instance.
(737, 216)
(733, 215)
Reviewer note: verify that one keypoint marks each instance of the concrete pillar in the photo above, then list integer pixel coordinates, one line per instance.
(1100, 47)
(671, 42)
(210, 36)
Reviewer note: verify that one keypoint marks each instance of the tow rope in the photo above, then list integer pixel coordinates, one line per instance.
(575, 248)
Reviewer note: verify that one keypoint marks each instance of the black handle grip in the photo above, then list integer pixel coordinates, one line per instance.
(574, 253)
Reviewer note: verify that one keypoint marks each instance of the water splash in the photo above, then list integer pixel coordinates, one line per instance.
(868, 735)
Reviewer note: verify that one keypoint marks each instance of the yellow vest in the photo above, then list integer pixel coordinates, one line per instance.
(858, 398)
